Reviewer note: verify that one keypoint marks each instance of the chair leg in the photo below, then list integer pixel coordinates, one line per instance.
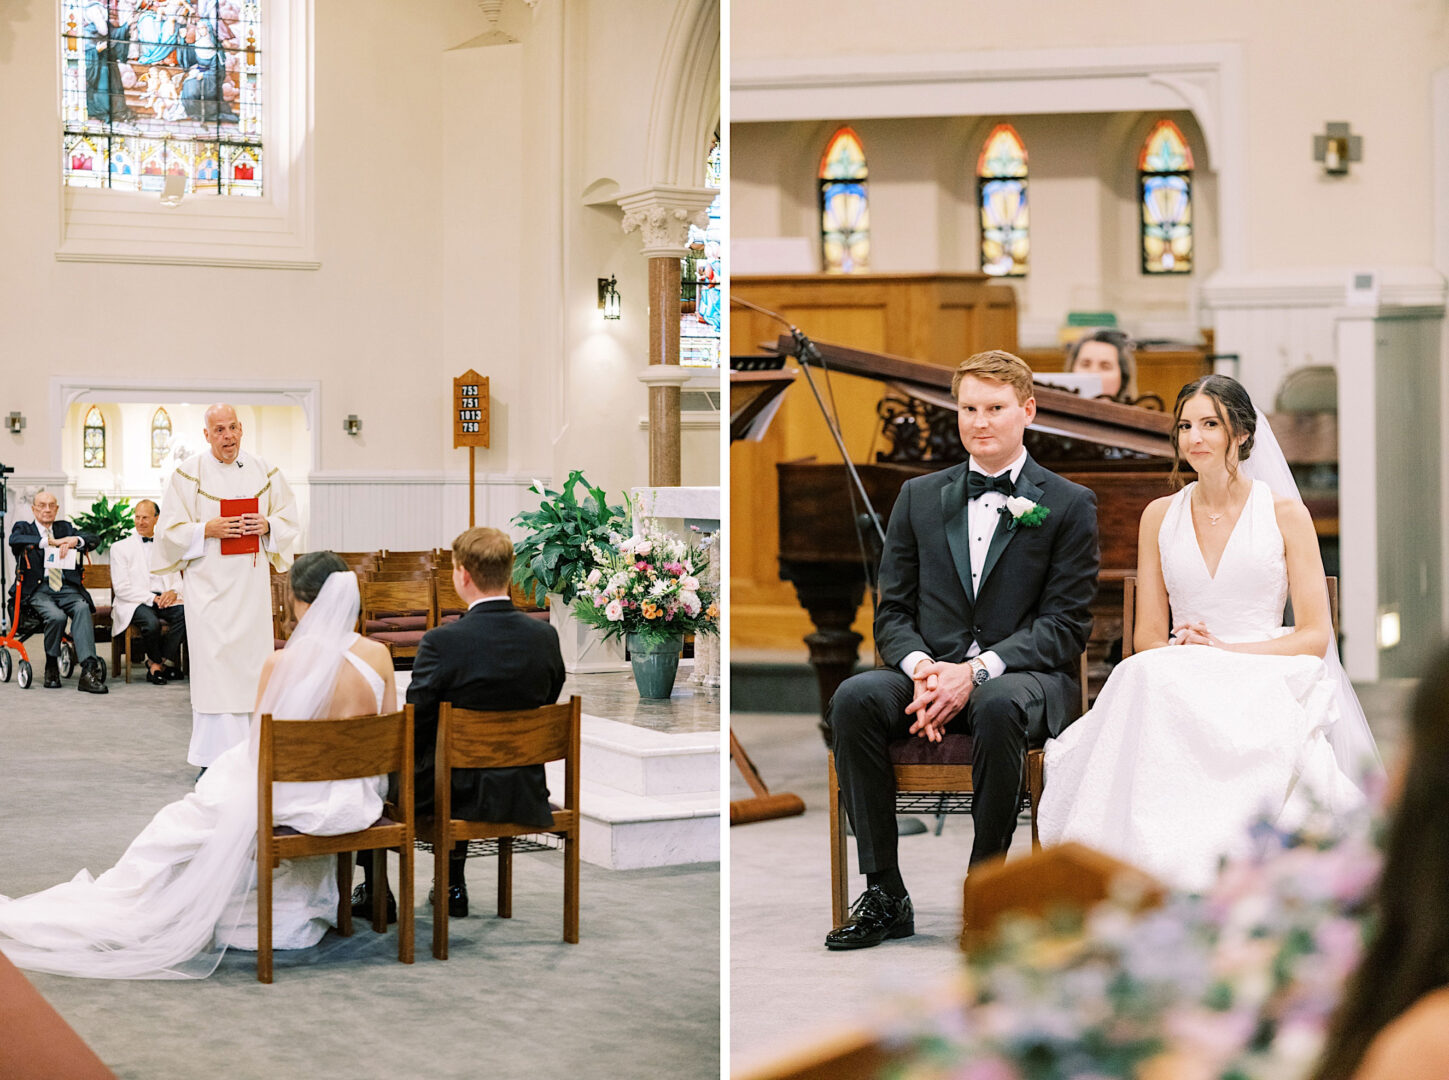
(264, 917)
(405, 902)
(1035, 785)
(571, 886)
(505, 877)
(344, 893)
(379, 890)
(837, 846)
(125, 652)
(441, 847)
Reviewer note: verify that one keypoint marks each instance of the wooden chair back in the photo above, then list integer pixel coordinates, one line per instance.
(337, 749)
(410, 594)
(468, 739)
(448, 599)
(96, 576)
(1129, 610)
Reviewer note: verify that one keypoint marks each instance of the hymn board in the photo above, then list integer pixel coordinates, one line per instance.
(470, 423)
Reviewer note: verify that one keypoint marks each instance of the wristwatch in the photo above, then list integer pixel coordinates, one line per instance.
(979, 674)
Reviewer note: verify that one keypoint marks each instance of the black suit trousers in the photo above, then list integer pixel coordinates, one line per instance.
(161, 647)
(1005, 716)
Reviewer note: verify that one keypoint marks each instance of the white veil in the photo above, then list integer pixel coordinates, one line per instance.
(157, 913)
(1353, 744)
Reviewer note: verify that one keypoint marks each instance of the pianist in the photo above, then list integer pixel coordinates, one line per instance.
(1111, 355)
(985, 581)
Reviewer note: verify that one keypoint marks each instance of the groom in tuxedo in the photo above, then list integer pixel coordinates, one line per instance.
(985, 581)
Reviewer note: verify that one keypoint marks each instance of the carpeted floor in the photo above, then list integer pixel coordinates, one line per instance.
(638, 997)
(787, 991)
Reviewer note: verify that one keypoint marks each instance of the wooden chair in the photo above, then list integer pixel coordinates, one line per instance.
(450, 605)
(942, 773)
(380, 598)
(96, 577)
(495, 740)
(1129, 609)
(344, 749)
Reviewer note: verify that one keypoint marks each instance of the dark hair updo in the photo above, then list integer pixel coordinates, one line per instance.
(311, 571)
(1235, 411)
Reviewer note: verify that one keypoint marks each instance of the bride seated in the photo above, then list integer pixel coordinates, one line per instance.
(1222, 711)
(185, 890)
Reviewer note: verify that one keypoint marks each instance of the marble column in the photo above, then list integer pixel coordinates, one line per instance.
(662, 215)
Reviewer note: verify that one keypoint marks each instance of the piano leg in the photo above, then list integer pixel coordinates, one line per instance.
(832, 596)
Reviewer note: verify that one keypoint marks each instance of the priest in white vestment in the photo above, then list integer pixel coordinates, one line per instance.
(228, 597)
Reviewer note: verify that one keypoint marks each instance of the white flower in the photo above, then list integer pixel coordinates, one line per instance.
(626, 547)
(690, 603)
(644, 547)
(659, 588)
(537, 487)
(688, 584)
(594, 575)
(688, 567)
(615, 611)
(1018, 506)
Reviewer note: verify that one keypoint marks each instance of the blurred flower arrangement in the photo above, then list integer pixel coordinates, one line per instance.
(1237, 984)
(652, 585)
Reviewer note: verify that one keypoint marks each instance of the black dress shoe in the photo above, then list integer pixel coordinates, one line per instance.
(52, 673)
(876, 916)
(93, 679)
(156, 678)
(457, 899)
(173, 674)
(362, 904)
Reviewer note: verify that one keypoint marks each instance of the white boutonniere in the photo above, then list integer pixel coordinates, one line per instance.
(1024, 512)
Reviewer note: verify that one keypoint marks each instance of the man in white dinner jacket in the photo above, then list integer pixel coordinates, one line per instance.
(152, 602)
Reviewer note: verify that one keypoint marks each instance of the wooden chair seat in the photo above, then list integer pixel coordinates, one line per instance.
(951, 750)
(398, 639)
(450, 618)
(385, 623)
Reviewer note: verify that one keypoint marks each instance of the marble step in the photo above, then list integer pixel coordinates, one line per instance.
(641, 761)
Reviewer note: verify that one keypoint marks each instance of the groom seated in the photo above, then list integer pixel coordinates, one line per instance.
(149, 602)
(985, 581)
(494, 658)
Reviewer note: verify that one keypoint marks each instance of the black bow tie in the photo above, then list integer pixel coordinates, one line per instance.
(147, 539)
(978, 484)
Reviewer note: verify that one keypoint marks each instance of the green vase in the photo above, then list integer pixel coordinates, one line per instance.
(655, 663)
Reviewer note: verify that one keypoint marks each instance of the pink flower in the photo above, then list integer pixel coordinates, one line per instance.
(614, 612)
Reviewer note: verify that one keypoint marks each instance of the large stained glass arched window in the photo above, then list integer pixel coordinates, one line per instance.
(844, 213)
(1164, 182)
(93, 447)
(158, 88)
(160, 437)
(1001, 189)
(699, 300)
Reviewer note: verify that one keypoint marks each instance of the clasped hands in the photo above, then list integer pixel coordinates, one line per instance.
(941, 692)
(1192, 633)
(244, 525)
(65, 543)
(166, 599)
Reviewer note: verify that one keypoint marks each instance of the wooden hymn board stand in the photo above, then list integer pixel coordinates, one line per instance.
(470, 423)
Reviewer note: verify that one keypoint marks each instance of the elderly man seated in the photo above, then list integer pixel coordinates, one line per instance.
(149, 602)
(55, 591)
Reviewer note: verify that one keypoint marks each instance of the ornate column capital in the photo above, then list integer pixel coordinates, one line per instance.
(663, 215)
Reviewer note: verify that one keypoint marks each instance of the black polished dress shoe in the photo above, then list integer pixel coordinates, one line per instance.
(173, 674)
(362, 904)
(156, 677)
(876, 917)
(457, 899)
(52, 673)
(93, 678)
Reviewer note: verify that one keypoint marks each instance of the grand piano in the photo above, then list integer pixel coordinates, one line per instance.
(829, 553)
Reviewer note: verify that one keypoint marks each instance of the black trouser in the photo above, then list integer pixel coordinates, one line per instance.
(55, 608)
(1004, 716)
(162, 631)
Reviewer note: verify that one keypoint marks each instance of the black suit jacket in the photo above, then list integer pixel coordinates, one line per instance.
(493, 659)
(25, 544)
(1036, 585)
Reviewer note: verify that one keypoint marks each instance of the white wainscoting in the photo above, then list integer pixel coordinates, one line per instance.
(407, 511)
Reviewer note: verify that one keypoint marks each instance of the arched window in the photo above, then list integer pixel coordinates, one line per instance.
(1001, 191)
(1164, 185)
(156, 90)
(94, 444)
(703, 267)
(844, 213)
(160, 437)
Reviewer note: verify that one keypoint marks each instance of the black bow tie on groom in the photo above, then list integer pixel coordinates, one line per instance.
(978, 484)
(147, 539)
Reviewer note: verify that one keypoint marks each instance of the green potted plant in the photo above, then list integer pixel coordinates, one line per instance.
(107, 522)
(557, 553)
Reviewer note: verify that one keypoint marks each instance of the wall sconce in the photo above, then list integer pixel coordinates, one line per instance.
(174, 191)
(15, 423)
(1336, 147)
(609, 297)
(352, 425)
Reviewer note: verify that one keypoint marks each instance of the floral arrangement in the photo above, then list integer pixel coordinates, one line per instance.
(1237, 984)
(562, 533)
(650, 584)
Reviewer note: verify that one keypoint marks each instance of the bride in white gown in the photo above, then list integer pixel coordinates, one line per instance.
(1222, 713)
(185, 890)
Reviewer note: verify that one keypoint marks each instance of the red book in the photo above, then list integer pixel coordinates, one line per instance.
(239, 545)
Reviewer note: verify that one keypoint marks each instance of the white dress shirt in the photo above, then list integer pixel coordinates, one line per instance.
(982, 517)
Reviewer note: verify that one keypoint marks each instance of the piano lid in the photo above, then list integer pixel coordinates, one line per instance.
(1058, 412)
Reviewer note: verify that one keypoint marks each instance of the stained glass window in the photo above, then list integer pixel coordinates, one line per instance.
(160, 437)
(94, 444)
(844, 209)
(1164, 181)
(157, 88)
(1001, 190)
(702, 269)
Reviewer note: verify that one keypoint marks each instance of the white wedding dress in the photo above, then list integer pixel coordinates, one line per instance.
(1186, 745)
(184, 891)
